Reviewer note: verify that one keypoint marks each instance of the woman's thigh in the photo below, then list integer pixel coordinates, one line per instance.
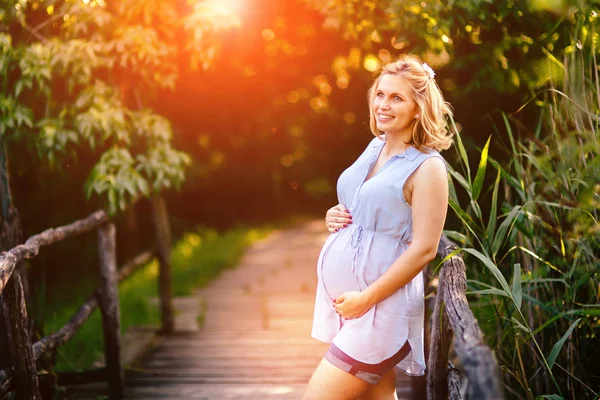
(384, 390)
(328, 382)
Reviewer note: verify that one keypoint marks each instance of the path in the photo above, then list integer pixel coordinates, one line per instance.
(253, 340)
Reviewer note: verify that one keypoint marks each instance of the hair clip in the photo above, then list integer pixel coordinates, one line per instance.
(429, 70)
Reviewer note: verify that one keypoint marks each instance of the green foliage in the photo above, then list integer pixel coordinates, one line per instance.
(498, 43)
(115, 174)
(201, 256)
(93, 80)
(547, 239)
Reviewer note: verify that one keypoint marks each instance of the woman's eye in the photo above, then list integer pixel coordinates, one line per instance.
(379, 95)
(398, 98)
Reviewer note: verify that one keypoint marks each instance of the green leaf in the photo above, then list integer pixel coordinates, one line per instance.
(517, 292)
(462, 151)
(504, 229)
(112, 199)
(18, 88)
(520, 325)
(460, 179)
(491, 267)
(497, 292)
(478, 183)
(551, 397)
(531, 253)
(451, 189)
(459, 237)
(558, 346)
(476, 209)
(493, 210)
(464, 217)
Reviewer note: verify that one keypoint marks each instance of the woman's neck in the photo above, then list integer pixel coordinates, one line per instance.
(396, 143)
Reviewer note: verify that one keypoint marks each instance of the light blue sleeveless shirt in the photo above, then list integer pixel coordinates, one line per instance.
(356, 256)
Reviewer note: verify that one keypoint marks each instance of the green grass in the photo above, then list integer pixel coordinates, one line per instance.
(200, 256)
(197, 258)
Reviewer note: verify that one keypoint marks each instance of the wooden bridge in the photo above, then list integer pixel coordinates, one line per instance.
(247, 335)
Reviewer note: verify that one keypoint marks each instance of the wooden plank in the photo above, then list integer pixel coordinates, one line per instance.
(229, 391)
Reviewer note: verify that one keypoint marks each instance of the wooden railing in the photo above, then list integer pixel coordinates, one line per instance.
(22, 377)
(478, 377)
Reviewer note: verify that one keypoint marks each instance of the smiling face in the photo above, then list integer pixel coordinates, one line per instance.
(393, 106)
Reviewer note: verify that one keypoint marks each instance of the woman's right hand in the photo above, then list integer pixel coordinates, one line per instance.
(337, 217)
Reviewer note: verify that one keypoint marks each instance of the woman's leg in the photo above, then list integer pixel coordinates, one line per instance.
(384, 390)
(328, 382)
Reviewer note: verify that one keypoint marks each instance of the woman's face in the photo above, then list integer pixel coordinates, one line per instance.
(394, 106)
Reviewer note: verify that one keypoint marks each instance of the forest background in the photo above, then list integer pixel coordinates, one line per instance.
(246, 112)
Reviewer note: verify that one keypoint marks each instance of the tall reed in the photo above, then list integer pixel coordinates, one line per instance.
(533, 252)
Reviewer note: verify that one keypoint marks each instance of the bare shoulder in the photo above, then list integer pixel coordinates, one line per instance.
(429, 177)
(431, 170)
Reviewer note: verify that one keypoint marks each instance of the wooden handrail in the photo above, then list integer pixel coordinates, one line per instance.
(452, 314)
(22, 375)
(83, 313)
(9, 259)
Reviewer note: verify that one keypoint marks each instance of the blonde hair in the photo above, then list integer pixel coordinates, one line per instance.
(430, 130)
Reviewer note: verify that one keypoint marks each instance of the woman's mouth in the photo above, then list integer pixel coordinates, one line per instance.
(384, 117)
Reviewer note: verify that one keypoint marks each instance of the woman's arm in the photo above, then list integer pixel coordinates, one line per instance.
(429, 207)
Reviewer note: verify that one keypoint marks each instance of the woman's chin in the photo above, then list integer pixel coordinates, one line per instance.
(383, 126)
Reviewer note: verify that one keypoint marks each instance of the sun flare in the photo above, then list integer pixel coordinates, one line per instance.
(234, 7)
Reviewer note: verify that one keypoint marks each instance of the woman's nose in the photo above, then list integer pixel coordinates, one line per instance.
(384, 105)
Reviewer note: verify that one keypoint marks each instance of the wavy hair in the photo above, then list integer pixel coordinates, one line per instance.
(430, 131)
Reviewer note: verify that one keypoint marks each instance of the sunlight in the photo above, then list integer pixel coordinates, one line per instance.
(282, 390)
(234, 7)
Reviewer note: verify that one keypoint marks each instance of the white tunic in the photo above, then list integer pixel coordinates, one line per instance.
(356, 256)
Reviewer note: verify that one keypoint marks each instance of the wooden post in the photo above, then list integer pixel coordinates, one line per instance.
(14, 340)
(6, 239)
(163, 247)
(455, 383)
(22, 360)
(476, 358)
(109, 307)
(437, 380)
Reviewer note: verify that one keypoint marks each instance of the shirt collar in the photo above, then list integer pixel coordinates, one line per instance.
(411, 153)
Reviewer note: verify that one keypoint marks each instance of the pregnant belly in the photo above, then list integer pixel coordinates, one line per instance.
(336, 269)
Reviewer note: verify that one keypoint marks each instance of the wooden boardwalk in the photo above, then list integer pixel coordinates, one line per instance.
(246, 336)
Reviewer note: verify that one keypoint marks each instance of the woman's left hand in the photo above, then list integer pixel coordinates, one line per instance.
(351, 305)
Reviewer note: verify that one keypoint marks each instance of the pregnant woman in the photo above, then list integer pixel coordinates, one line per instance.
(393, 202)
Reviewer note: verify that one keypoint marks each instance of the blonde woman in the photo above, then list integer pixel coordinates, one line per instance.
(393, 202)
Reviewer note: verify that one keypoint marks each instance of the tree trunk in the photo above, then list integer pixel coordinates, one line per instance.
(163, 247)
